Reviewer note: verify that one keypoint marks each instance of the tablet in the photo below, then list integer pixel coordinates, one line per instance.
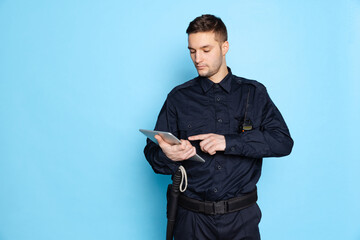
(169, 138)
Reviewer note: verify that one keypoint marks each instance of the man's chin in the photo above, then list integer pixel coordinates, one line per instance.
(203, 73)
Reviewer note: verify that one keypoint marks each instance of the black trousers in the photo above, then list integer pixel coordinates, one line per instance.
(241, 225)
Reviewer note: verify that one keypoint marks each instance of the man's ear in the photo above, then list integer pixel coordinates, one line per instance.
(225, 47)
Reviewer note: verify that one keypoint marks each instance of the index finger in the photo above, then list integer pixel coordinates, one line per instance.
(198, 137)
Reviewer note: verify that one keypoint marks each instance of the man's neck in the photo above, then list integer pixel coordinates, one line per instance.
(220, 75)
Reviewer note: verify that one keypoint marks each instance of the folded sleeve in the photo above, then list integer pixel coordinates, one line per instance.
(271, 138)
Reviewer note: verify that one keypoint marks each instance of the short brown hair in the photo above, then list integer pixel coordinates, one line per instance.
(209, 23)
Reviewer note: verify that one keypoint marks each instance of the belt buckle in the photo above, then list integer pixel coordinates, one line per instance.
(220, 207)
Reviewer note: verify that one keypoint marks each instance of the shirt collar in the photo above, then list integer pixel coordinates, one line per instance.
(206, 83)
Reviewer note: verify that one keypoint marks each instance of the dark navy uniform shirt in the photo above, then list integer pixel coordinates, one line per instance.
(200, 106)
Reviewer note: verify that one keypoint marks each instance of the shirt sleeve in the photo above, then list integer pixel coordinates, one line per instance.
(270, 139)
(155, 156)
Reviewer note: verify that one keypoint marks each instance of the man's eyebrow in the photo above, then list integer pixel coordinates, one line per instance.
(206, 46)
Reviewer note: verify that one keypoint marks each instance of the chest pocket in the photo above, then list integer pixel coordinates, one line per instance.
(189, 128)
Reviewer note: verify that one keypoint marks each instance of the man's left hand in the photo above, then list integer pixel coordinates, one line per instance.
(210, 143)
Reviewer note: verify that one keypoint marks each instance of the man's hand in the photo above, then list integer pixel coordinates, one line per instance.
(177, 152)
(211, 142)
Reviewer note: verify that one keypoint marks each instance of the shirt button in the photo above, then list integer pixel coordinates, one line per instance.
(216, 85)
(219, 167)
(218, 99)
(232, 148)
(215, 190)
(189, 126)
(220, 120)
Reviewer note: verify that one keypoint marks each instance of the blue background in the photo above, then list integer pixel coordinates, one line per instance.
(79, 78)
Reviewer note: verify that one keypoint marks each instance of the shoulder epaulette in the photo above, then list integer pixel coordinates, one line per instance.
(254, 83)
(183, 85)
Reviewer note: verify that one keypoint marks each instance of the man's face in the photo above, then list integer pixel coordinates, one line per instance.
(207, 54)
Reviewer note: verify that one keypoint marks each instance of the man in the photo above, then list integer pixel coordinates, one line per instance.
(230, 122)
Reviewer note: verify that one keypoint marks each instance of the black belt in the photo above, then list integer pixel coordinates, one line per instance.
(221, 207)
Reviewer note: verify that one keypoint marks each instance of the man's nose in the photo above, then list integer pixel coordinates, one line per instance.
(198, 57)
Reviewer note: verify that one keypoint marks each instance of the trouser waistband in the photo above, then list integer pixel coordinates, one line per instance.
(220, 207)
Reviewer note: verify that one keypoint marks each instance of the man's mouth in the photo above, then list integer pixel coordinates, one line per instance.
(200, 67)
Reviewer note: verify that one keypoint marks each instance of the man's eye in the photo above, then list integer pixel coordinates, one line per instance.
(206, 50)
(192, 51)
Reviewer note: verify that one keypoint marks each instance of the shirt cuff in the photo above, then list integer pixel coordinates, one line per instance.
(233, 144)
(168, 162)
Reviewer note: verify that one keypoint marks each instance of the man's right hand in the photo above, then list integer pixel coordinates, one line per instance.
(177, 152)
